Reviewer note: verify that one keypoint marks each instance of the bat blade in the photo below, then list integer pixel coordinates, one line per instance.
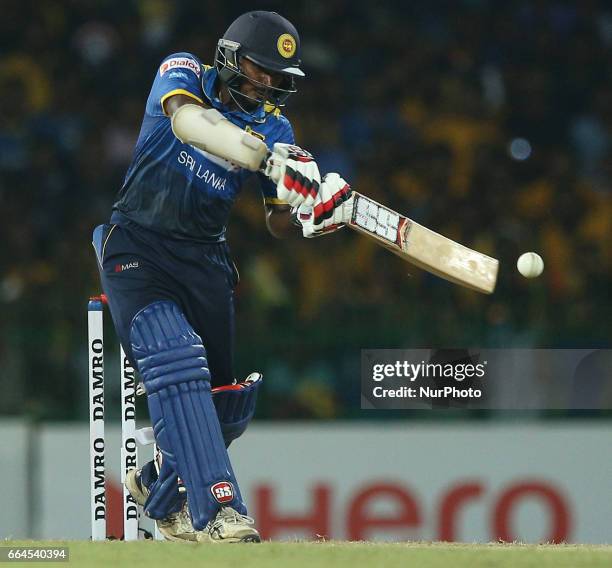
(423, 247)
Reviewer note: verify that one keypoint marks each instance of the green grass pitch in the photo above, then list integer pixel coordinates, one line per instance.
(324, 554)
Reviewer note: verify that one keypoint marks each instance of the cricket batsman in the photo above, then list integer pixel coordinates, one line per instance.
(166, 268)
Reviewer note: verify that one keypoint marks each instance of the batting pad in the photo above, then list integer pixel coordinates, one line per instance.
(172, 362)
(235, 406)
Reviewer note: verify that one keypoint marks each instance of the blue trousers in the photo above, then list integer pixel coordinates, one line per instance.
(139, 266)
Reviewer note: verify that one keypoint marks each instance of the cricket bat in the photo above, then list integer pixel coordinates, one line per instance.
(422, 246)
(211, 132)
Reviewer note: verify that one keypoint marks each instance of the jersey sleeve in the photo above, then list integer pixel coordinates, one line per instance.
(178, 74)
(268, 187)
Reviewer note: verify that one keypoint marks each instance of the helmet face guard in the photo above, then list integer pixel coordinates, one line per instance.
(227, 63)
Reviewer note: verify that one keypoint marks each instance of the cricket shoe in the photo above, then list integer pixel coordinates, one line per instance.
(176, 526)
(138, 490)
(229, 526)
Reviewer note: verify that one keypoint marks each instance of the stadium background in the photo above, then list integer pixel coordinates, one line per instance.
(490, 122)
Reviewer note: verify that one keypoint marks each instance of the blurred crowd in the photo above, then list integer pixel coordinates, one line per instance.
(490, 122)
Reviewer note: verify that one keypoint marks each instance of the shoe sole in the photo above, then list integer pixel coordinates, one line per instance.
(251, 538)
(174, 538)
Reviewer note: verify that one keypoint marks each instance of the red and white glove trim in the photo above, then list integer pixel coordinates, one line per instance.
(325, 209)
(296, 181)
(331, 210)
(296, 174)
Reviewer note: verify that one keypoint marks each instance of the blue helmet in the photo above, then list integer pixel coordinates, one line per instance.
(268, 40)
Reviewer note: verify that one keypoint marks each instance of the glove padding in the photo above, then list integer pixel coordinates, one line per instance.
(331, 210)
(295, 173)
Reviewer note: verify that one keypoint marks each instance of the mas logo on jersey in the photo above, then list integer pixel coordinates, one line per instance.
(128, 266)
(223, 492)
(286, 45)
(184, 62)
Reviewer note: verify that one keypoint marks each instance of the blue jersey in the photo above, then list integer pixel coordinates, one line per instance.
(178, 190)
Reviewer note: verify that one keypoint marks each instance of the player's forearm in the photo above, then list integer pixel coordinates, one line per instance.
(280, 224)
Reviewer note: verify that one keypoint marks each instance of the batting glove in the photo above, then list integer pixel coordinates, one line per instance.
(330, 211)
(296, 174)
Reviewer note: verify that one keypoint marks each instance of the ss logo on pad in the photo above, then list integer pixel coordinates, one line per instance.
(223, 492)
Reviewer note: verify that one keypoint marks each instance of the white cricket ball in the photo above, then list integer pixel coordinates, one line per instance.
(530, 265)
